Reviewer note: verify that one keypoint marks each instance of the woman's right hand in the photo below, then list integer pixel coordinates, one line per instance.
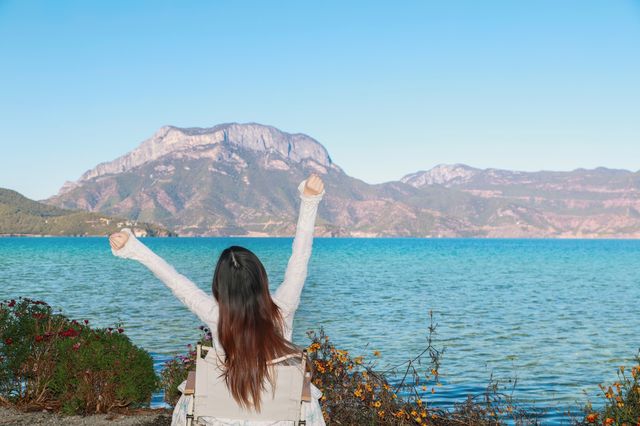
(118, 240)
(313, 185)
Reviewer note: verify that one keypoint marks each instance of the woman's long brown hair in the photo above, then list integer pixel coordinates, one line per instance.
(249, 324)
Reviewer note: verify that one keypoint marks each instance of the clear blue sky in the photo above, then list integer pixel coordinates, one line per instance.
(388, 87)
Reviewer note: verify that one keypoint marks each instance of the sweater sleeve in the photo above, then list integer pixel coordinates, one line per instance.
(198, 302)
(288, 294)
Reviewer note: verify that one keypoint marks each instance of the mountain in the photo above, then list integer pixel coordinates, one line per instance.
(22, 216)
(443, 174)
(216, 142)
(233, 179)
(241, 179)
(581, 203)
(468, 178)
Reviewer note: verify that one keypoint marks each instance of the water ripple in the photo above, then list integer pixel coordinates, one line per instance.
(558, 315)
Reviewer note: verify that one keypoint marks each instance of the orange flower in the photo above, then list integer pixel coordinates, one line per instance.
(591, 418)
(608, 421)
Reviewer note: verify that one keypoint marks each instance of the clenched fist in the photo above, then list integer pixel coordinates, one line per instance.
(313, 185)
(118, 240)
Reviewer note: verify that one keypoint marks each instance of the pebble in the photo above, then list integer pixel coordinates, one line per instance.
(10, 416)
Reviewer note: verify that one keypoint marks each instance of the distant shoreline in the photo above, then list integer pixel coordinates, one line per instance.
(361, 237)
(47, 236)
(74, 236)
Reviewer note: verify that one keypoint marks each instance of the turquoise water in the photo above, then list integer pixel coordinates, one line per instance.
(558, 315)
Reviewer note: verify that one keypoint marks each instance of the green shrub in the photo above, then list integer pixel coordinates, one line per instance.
(49, 361)
(175, 370)
(357, 391)
(621, 400)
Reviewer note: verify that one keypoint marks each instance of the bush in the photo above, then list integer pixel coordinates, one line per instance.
(355, 391)
(621, 400)
(48, 361)
(175, 371)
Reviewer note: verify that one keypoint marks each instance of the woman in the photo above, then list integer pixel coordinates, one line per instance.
(248, 325)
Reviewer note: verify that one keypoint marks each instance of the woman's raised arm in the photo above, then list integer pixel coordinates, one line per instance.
(288, 294)
(124, 244)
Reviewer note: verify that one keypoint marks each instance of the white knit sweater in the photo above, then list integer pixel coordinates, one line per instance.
(205, 307)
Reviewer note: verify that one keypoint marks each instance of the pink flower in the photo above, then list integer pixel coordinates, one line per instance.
(76, 346)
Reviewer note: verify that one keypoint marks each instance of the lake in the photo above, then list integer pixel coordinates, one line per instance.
(558, 315)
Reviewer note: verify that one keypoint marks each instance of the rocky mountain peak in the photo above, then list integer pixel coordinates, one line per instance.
(442, 174)
(292, 147)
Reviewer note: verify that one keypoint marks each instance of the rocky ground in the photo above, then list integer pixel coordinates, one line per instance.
(149, 417)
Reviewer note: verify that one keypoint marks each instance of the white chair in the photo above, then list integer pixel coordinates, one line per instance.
(211, 397)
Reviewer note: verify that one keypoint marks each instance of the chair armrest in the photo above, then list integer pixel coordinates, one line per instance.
(190, 387)
(306, 387)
